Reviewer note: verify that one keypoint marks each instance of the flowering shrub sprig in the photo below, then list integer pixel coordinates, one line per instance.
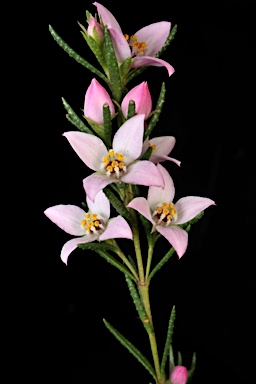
(113, 141)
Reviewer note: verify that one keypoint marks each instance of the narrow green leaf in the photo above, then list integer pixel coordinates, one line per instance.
(168, 41)
(124, 69)
(110, 259)
(192, 367)
(107, 124)
(134, 265)
(131, 348)
(113, 69)
(165, 258)
(74, 119)
(179, 360)
(97, 51)
(117, 204)
(75, 55)
(155, 117)
(139, 306)
(168, 339)
(131, 109)
(136, 72)
(98, 246)
(146, 155)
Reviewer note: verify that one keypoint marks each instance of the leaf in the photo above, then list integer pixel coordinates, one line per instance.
(131, 348)
(155, 117)
(98, 246)
(168, 339)
(74, 119)
(139, 305)
(117, 204)
(75, 55)
(193, 221)
(113, 69)
(192, 367)
(107, 124)
(168, 41)
(131, 109)
(146, 155)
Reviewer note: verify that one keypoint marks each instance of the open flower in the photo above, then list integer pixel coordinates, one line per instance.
(142, 46)
(96, 96)
(119, 163)
(89, 226)
(141, 96)
(161, 147)
(165, 216)
(179, 375)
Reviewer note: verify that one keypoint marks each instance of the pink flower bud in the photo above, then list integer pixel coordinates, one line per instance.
(96, 96)
(179, 375)
(142, 98)
(95, 30)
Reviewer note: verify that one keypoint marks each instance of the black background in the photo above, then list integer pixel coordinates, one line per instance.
(210, 109)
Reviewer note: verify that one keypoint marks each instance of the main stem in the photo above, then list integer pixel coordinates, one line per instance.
(144, 290)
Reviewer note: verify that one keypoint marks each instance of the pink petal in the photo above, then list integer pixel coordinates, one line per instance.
(141, 205)
(67, 217)
(107, 17)
(143, 173)
(141, 96)
(164, 144)
(96, 96)
(95, 182)
(117, 228)
(70, 245)
(154, 35)
(176, 236)
(140, 61)
(128, 138)
(101, 205)
(120, 44)
(159, 195)
(159, 159)
(88, 147)
(190, 206)
(179, 375)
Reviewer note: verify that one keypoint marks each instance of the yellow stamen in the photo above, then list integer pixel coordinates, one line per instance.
(109, 168)
(111, 152)
(83, 222)
(94, 216)
(119, 156)
(126, 37)
(87, 215)
(121, 165)
(165, 211)
(114, 164)
(96, 223)
(106, 160)
(169, 217)
(159, 210)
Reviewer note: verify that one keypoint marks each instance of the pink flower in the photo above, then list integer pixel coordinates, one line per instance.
(95, 30)
(142, 46)
(89, 226)
(179, 375)
(119, 163)
(165, 215)
(161, 147)
(96, 96)
(142, 98)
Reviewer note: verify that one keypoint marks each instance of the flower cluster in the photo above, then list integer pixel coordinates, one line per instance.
(114, 143)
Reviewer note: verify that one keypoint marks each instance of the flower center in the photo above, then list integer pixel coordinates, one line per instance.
(164, 214)
(113, 164)
(153, 146)
(93, 223)
(138, 48)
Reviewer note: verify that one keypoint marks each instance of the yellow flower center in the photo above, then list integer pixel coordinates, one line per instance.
(138, 47)
(153, 146)
(92, 223)
(164, 214)
(113, 164)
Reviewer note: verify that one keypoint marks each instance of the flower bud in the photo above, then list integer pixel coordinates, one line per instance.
(179, 375)
(142, 98)
(96, 96)
(95, 30)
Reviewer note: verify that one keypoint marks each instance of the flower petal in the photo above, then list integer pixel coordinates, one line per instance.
(107, 17)
(95, 182)
(158, 195)
(70, 245)
(117, 228)
(140, 61)
(100, 205)
(176, 236)
(154, 35)
(140, 204)
(96, 96)
(190, 206)
(121, 47)
(88, 147)
(159, 159)
(67, 217)
(128, 139)
(164, 146)
(143, 172)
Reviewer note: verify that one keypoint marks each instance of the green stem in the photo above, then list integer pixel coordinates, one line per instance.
(150, 254)
(136, 241)
(144, 291)
(123, 258)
